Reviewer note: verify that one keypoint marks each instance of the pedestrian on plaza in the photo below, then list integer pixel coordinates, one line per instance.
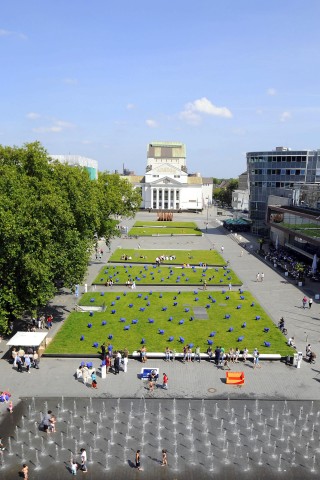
(165, 381)
(108, 363)
(25, 471)
(19, 363)
(94, 380)
(167, 354)
(197, 355)
(217, 354)
(73, 466)
(45, 422)
(204, 284)
(308, 350)
(230, 287)
(256, 361)
(222, 249)
(189, 354)
(241, 253)
(138, 464)
(14, 355)
(258, 277)
(10, 408)
(125, 364)
(245, 354)
(226, 361)
(164, 458)
(304, 302)
(103, 351)
(85, 374)
(185, 353)
(209, 353)
(262, 276)
(27, 363)
(83, 460)
(116, 364)
(310, 302)
(49, 322)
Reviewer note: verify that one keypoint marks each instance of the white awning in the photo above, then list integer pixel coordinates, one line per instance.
(27, 339)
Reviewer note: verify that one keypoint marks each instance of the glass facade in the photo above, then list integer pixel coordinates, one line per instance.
(276, 173)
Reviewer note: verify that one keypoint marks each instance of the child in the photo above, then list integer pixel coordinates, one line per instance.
(164, 458)
(83, 460)
(53, 422)
(25, 471)
(74, 467)
(94, 380)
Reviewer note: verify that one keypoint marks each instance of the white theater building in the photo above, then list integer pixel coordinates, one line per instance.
(167, 185)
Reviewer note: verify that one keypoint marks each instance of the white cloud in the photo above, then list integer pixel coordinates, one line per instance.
(56, 127)
(285, 116)
(193, 110)
(130, 106)
(151, 123)
(53, 128)
(9, 33)
(272, 92)
(33, 115)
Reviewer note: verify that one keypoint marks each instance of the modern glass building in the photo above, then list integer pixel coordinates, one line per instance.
(278, 172)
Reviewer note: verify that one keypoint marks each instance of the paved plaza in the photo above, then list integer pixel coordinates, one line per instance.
(193, 383)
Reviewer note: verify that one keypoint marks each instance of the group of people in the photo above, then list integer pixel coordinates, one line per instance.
(153, 377)
(48, 422)
(88, 375)
(222, 358)
(27, 360)
(163, 258)
(131, 284)
(260, 277)
(307, 303)
(116, 357)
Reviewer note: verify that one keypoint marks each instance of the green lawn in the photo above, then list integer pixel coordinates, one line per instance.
(166, 316)
(164, 228)
(166, 275)
(193, 257)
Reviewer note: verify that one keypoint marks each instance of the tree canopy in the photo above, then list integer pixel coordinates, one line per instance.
(224, 194)
(49, 215)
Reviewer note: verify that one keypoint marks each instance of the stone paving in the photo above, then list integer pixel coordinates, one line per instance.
(274, 381)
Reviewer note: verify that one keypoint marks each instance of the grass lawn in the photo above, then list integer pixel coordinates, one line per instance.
(164, 228)
(180, 320)
(193, 257)
(166, 275)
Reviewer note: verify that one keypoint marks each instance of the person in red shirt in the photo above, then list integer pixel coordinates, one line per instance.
(165, 381)
(49, 321)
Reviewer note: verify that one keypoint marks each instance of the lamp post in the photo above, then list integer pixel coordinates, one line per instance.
(207, 209)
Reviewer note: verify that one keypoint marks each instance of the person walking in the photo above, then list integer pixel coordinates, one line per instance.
(304, 302)
(258, 277)
(310, 302)
(83, 460)
(241, 253)
(222, 249)
(138, 463)
(125, 364)
(262, 276)
(256, 362)
(165, 381)
(164, 458)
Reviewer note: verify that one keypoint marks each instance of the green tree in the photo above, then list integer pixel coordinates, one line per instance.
(49, 213)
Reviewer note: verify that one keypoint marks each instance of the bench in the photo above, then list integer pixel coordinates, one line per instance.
(145, 372)
(235, 378)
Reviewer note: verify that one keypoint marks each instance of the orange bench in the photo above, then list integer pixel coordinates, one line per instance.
(235, 378)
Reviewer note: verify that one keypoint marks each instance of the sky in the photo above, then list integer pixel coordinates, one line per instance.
(103, 78)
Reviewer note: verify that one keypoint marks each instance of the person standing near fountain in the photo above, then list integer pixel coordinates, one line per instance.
(165, 381)
(85, 374)
(138, 464)
(25, 471)
(164, 458)
(83, 460)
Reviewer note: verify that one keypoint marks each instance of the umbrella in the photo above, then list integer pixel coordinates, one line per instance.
(314, 264)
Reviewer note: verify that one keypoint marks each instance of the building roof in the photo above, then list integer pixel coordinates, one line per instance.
(207, 180)
(134, 178)
(195, 180)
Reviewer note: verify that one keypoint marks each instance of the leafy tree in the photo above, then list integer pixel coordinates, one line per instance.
(49, 213)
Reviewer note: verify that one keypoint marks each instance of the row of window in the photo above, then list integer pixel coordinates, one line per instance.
(278, 171)
(278, 158)
(272, 184)
(166, 194)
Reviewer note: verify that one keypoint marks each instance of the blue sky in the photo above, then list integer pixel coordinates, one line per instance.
(103, 78)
